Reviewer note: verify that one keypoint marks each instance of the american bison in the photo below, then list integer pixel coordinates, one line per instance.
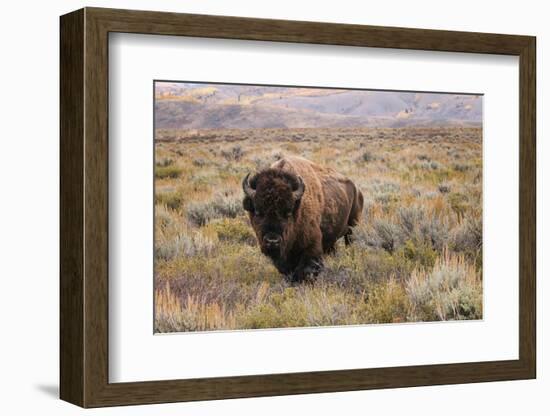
(299, 210)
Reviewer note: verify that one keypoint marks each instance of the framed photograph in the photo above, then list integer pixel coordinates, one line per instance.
(255, 207)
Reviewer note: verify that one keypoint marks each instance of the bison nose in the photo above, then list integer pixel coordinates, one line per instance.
(272, 240)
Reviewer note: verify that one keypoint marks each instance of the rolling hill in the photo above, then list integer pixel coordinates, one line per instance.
(210, 106)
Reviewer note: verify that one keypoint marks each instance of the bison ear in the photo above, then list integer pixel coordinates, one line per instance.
(248, 205)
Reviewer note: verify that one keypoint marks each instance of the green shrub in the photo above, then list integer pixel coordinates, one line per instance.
(459, 203)
(444, 188)
(460, 167)
(384, 192)
(388, 235)
(450, 291)
(200, 162)
(410, 219)
(162, 172)
(387, 303)
(467, 238)
(165, 162)
(233, 230)
(228, 205)
(234, 154)
(302, 306)
(188, 245)
(422, 254)
(172, 200)
(381, 266)
(222, 206)
(368, 157)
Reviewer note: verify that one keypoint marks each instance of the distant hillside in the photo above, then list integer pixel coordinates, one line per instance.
(207, 106)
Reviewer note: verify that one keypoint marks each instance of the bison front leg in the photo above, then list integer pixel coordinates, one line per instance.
(348, 237)
(308, 269)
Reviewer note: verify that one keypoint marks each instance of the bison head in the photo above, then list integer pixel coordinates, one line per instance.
(272, 198)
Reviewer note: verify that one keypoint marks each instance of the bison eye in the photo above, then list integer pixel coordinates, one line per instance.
(258, 213)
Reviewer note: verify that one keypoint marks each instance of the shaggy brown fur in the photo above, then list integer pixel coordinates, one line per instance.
(299, 210)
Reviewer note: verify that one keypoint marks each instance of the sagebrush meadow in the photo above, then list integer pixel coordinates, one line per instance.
(416, 253)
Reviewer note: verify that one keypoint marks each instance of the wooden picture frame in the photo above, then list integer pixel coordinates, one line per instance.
(84, 207)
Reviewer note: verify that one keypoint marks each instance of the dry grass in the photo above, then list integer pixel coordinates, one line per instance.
(417, 254)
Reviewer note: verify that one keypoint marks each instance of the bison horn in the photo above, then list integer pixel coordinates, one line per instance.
(299, 189)
(248, 190)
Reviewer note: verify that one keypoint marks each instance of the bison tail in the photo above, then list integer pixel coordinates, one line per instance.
(356, 208)
(354, 215)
